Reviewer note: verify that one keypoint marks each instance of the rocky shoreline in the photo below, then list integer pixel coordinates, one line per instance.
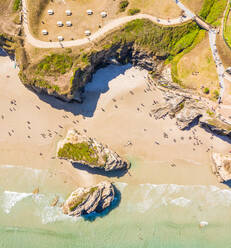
(87, 151)
(91, 199)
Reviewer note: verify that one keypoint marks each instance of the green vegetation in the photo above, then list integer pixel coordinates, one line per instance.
(174, 62)
(85, 58)
(227, 27)
(133, 11)
(105, 158)
(216, 94)
(41, 83)
(123, 5)
(181, 106)
(80, 199)
(77, 152)
(206, 91)
(210, 113)
(212, 11)
(160, 40)
(170, 43)
(16, 5)
(54, 64)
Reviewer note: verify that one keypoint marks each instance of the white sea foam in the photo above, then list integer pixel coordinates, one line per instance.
(54, 214)
(121, 186)
(181, 201)
(155, 196)
(11, 198)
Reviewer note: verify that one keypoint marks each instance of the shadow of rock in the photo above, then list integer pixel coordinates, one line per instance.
(102, 172)
(99, 85)
(228, 183)
(116, 202)
(222, 137)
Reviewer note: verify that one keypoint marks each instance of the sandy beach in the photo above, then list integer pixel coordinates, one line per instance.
(115, 111)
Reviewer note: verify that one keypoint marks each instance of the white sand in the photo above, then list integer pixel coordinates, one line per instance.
(106, 122)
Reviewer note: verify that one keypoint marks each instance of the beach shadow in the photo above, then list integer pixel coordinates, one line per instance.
(115, 203)
(91, 93)
(193, 124)
(101, 172)
(3, 53)
(222, 137)
(227, 183)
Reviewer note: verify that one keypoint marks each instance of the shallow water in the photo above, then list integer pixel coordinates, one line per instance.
(147, 216)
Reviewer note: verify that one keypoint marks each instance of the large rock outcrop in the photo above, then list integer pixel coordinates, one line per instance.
(87, 151)
(184, 109)
(222, 166)
(87, 200)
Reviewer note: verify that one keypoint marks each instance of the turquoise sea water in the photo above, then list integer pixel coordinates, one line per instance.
(147, 216)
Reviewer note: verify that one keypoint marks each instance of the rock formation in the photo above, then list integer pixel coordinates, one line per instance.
(184, 109)
(222, 166)
(85, 150)
(87, 200)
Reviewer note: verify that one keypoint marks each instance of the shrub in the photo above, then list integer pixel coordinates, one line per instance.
(206, 90)
(16, 5)
(133, 11)
(123, 5)
(79, 151)
(54, 64)
(216, 94)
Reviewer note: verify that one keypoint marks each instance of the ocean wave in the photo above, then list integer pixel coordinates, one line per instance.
(54, 214)
(181, 201)
(121, 186)
(158, 195)
(10, 199)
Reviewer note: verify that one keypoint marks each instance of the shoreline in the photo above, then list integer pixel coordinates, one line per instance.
(113, 118)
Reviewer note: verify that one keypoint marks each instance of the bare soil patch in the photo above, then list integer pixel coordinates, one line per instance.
(193, 5)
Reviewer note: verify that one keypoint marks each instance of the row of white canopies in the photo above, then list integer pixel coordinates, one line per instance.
(69, 13)
(69, 23)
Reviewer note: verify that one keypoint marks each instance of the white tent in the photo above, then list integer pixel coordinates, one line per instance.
(68, 23)
(68, 12)
(44, 32)
(59, 23)
(87, 32)
(103, 14)
(50, 12)
(60, 38)
(89, 12)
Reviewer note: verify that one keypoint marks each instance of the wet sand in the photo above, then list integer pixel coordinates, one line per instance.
(116, 113)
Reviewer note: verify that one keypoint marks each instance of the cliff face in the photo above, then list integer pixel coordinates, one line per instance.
(87, 151)
(87, 200)
(119, 53)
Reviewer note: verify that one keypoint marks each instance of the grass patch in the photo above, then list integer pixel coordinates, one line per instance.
(194, 39)
(216, 94)
(54, 64)
(77, 152)
(227, 27)
(41, 83)
(16, 5)
(212, 11)
(133, 11)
